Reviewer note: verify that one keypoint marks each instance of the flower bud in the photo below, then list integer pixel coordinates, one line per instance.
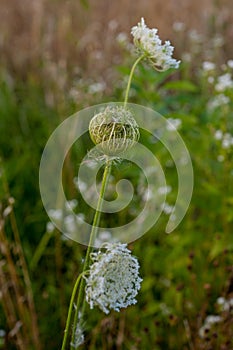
(115, 130)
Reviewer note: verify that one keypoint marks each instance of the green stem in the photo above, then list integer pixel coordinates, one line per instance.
(94, 231)
(68, 320)
(40, 250)
(130, 78)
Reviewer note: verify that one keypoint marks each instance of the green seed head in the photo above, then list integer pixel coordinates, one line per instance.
(115, 130)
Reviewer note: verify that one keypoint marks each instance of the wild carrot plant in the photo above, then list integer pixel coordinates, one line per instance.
(110, 279)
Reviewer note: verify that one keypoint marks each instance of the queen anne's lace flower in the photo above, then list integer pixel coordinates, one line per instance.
(114, 279)
(148, 43)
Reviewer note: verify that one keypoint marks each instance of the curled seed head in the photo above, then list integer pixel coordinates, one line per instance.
(115, 130)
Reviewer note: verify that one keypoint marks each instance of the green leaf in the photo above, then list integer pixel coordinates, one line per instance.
(182, 85)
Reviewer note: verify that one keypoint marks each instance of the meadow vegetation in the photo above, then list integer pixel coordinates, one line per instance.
(53, 66)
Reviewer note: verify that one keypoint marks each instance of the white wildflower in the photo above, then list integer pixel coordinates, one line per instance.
(218, 41)
(195, 36)
(208, 323)
(225, 305)
(210, 80)
(230, 63)
(147, 194)
(150, 45)
(173, 124)
(218, 134)
(80, 218)
(178, 26)
(208, 66)
(122, 37)
(80, 184)
(70, 223)
(50, 227)
(218, 101)
(70, 205)
(164, 189)
(96, 87)
(227, 140)
(167, 208)
(224, 82)
(114, 279)
(103, 237)
(56, 214)
(212, 319)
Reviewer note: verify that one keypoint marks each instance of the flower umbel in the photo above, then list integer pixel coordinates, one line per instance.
(114, 279)
(150, 45)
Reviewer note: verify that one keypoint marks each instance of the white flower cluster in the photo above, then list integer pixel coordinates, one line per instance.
(225, 138)
(218, 101)
(225, 304)
(148, 43)
(208, 323)
(208, 66)
(173, 124)
(67, 218)
(224, 82)
(113, 281)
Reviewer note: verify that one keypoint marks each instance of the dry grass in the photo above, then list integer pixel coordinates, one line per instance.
(34, 32)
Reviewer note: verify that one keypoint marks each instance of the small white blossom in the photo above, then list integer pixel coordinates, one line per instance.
(230, 63)
(224, 82)
(80, 217)
(173, 124)
(208, 66)
(70, 205)
(50, 227)
(113, 280)
(218, 101)
(178, 26)
(103, 237)
(218, 41)
(147, 194)
(122, 38)
(210, 80)
(227, 140)
(226, 305)
(80, 185)
(96, 87)
(70, 223)
(218, 134)
(164, 189)
(167, 208)
(195, 36)
(150, 45)
(56, 214)
(208, 323)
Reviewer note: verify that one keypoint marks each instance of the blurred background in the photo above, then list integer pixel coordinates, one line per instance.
(58, 57)
(80, 37)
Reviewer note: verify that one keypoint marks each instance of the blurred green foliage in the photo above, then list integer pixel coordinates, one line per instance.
(184, 273)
